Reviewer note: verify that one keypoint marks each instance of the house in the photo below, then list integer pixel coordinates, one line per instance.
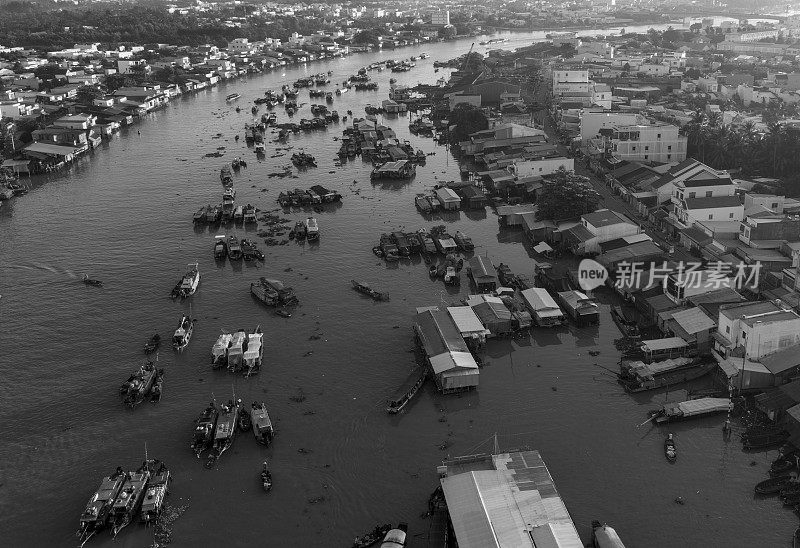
(472, 197)
(693, 326)
(493, 314)
(469, 324)
(541, 166)
(483, 273)
(453, 366)
(583, 310)
(543, 308)
(705, 196)
(654, 142)
(449, 200)
(752, 330)
(596, 228)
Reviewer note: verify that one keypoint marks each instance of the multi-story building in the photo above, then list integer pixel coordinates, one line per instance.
(441, 18)
(705, 197)
(567, 82)
(653, 142)
(755, 329)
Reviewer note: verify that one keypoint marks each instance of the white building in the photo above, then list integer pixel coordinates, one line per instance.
(440, 18)
(598, 227)
(651, 69)
(545, 166)
(601, 95)
(593, 122)
(567, 82)
(654, 142)
(239, 46)
(706, 198)
(756, 329)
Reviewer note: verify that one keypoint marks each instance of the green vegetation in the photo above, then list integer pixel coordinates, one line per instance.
(564, 197)
(468, 119)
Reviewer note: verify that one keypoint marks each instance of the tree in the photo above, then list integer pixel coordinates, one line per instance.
(562, 197)
(366, 37)
(87, 94)
(467, 119)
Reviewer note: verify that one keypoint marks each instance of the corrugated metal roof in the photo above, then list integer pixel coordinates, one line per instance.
(782, 360)
(693, 321)
(482, 267)
(664, 344)
(794, 412)
(438, 333)
(514, 505)
(466, 320)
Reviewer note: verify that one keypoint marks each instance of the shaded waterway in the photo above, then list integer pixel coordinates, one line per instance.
(123, 215)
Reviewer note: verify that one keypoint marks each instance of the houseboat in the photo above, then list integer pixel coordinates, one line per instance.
(190, 281)
(690, 409)
(249, 214)
(422, 203)
(581, 309)
(637, 376)
(228, 209)
(213, 214)
(182, 335)
(401, 169)
(312, 229)
(273, 292)
(232, 97)
(225, 430)
(98, 509)
(238, 214)
(219, 352)
(204, 429)
(543, 308)
(626, 323)
(156, 493)
(252, 357)
(408, 389)
(262, 424)
(236, 350)
(220, 247)
(402, 243)
(234, 248)
(129, 500)
(463, 242)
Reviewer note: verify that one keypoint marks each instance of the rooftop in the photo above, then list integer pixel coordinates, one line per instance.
(605, 217)
(712, 202)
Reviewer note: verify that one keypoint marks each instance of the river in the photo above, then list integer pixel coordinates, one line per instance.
(123, 215)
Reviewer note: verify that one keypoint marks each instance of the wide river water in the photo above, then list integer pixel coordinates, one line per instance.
(123, 215)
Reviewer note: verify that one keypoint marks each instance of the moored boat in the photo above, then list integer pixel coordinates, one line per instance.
(190, 281)
(236, 350)
(243, 421)
(300, 230)
(783, 464)
(463, 241)
(627, 325)
(220, 247)
(234, 248)
(232, 97)
(273, 292)
(422, 203)
(158, 386)
(225, 431)
(98, 509)
(691, 408)
(407, 391)
(182, 335)
(89, 281)
(129, 499)
(252, 357)
(262, 424)
(156, 493)
(312, 229)
(250, 252)
(773, 486)
(373, 537)
(396, 537)
(137, 387)
(204, 429)
(604, 536)
(219, 352)
(638, 376)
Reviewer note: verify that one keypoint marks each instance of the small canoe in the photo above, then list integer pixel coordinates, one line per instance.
(283, 313)
(774, 485)
(89, 281)
(669, 449)
(266, 478)
(153, 344)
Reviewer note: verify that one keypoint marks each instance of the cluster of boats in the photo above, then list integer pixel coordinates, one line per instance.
(320, 79)
(762, 437)
(124, 496)
(239, 351)
(398, 244)
(783, 480)
(315, 195)
(448, 270)
(230, 247)
(301, 159)
(145, 382)
(215, 430)
(225, 212)
(638, 376)
(273, 292)
(305, 230)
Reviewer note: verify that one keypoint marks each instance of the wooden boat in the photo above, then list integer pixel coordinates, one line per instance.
(204, 429)
(266, 478)
(604, 536)
(396, 538)
(300, 230)
(152, 344)
(639, 377)
(190, 281)
(244, 421)
(225, 431)
(219, 352)
(155, 495)
(250, 252)
(626, 324)
(137, 387)
(251, 359)
(773, 486)
(98, 509)
(182, 335)
(89, 281)
(767, 440)
(213, 214)
(669, 449)
(199, 216)
(273, 292)
(232, 97)
(463, 241)
(236, 350)
(407, 391)
(283, 313)
(312, 229)
(158, 385)
(220, 247)
(422, 203)
(234, 248)
(699, 407)
(367, 290)
(373, 537)
(262, 424)
(130, 498)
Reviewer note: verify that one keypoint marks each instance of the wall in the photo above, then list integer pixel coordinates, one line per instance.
(529, 168)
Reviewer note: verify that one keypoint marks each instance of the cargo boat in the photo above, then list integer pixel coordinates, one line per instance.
(137, 387)
(157, 490)
(204, 429)
(98, 509)
(407, 391)
(252, 357)
(225, 431)
(262, 424)
(639, 376)
(690, 409)
(130, 498)
(219, 352)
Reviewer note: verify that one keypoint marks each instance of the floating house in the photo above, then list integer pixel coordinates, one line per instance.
(543, 307)
(483, 273)
(469, 324)
(448, 198)
(402, 169)
(583, 310)
(453, 366)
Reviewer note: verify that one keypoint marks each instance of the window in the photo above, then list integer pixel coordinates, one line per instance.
(709, 193)
(647, 147)
(658, 136)
(645, 156)
(634, 149)
(730, 215)
(728, 329)
(711, 217)
(669, 156)
(669, 147)
(774, 205)
(691, 195)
